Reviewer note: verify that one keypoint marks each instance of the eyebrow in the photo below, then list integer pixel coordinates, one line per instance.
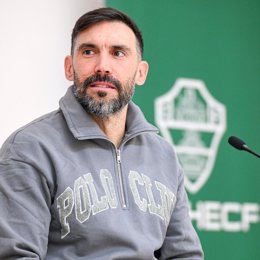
(122, 47)
(86, 45)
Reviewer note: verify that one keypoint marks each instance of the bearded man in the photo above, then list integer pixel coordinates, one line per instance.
(94, 180)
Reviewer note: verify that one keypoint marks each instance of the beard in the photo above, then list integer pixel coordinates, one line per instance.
(101, 107)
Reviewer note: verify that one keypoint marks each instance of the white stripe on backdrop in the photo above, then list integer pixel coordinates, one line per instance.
(35, 37)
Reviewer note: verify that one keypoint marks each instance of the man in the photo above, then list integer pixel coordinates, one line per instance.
(93, 180)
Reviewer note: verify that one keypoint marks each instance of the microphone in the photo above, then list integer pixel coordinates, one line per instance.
(241, 145)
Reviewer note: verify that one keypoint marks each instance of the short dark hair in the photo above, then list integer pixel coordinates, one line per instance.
(105, 14)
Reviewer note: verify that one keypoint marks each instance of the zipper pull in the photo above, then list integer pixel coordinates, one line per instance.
(118, 156)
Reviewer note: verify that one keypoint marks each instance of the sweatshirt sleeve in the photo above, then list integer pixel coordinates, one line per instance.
(181, 240)
(24, 208)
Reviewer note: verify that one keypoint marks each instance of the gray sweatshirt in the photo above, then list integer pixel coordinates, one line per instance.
(66, 192)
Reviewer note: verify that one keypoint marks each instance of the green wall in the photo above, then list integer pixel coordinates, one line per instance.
(218, 43)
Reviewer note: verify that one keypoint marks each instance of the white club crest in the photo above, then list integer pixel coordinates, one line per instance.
(192, 120)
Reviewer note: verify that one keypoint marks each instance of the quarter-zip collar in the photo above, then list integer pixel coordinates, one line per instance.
(82, 126)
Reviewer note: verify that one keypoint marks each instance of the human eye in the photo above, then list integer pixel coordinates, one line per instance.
(88, 52)
(119, 53)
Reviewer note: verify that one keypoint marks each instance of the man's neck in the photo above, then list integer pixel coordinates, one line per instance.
(113, 126)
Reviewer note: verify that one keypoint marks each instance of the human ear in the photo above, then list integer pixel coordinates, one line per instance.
(68, 67)
(142, 72)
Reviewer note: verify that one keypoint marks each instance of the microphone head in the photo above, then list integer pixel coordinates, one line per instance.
(236, 142)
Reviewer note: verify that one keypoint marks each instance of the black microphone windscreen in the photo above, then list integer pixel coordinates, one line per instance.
(236, 142)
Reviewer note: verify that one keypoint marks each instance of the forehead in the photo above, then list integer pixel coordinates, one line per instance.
(110, 33)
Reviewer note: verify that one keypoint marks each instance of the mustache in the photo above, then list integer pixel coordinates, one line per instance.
(105, 78)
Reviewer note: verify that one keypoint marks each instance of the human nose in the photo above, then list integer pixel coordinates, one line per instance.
(103, 65)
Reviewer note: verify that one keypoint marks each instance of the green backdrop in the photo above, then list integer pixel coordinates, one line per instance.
(218, 43)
